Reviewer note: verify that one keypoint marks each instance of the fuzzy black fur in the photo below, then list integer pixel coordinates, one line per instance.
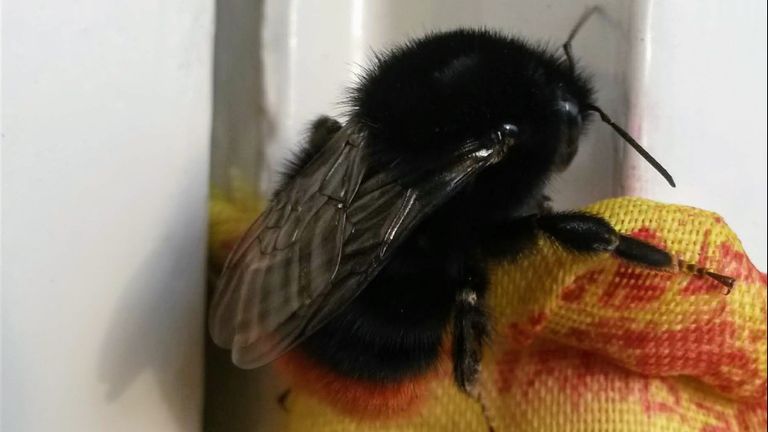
(417, 104)
(429, 94)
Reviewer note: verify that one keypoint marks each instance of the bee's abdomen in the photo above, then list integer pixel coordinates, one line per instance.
(396, 327)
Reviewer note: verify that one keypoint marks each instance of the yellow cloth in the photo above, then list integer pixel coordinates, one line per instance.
(581, 343)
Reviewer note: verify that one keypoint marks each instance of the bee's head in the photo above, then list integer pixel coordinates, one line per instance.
(422, 102)
(425, 100)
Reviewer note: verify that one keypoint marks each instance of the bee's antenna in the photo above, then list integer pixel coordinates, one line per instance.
(579, 24)
(603, 116)
(635, 145)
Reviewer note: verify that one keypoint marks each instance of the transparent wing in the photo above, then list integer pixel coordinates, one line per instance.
(322, 239)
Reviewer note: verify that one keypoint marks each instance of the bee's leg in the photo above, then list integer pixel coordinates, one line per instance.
(579, 232)
(632, 249)
(470, 331)
(583, 232)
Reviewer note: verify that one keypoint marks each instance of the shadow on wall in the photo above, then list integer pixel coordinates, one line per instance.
(241, 123)
(157, 321)
(234, 398)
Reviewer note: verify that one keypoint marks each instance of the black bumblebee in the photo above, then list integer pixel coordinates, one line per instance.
(376, 243)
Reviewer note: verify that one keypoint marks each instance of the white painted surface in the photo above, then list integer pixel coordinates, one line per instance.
(699, 104)
(106, 113)
(2, 143)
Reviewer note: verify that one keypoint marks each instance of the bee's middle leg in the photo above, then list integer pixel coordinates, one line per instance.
(470, 331)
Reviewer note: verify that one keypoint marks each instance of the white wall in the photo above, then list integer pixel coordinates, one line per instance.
(105, 123)
(699, 104)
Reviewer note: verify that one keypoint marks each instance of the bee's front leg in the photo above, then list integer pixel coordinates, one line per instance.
(583, 232)
(586, 233)
(579, 232)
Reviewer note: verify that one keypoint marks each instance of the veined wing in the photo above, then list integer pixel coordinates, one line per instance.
(323, 237)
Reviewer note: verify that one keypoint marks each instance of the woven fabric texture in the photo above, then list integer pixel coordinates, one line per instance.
(580, 343)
